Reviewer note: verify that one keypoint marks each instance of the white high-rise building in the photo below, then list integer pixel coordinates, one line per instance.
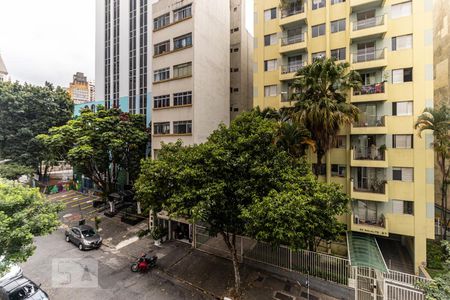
(182, 63)
(3, 70)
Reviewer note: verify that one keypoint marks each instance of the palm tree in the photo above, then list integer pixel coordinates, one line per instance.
(321, 95)
(293, 137)
(438, 120)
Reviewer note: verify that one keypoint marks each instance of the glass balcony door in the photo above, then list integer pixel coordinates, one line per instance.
(366, 51)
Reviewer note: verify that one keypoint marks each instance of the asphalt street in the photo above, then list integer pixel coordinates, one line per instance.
(114, 280)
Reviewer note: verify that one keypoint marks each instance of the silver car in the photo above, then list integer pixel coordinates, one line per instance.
(84, 237)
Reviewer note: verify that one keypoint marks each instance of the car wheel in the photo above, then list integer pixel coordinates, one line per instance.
(67, 238)
(80, 246)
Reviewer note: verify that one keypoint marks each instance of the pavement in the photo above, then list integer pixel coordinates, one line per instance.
(181, 273)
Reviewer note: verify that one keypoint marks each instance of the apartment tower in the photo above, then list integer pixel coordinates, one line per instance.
(380, 161)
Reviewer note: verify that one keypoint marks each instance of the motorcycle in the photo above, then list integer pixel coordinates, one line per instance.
(144, 263)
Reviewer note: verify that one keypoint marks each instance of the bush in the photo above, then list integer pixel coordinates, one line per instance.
(143, 233)
(438, 252)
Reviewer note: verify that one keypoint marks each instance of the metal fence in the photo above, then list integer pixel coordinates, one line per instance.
(404, 278)
(395, 292)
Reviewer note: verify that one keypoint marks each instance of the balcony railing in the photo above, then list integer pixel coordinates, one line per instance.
(285, 96)
(370, 121)
(368, 23)
(368, 55)
(371, 186)
(293, 39)
(369, 153)
(292, 67)
(293, 8)
(368, 89)
(378, 222)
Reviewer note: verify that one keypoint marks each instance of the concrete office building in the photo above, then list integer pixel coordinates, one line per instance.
(380, 161)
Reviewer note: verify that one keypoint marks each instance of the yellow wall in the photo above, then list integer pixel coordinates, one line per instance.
(420, 57)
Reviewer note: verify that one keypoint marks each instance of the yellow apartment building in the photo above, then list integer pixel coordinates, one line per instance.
(379, 161)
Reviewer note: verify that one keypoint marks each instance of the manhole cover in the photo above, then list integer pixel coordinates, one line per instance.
(283, 296)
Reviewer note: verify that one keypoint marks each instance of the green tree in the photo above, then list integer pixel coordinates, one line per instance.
(101, 144)
(439, 288)
(13, 171)
(24, 214)
(215, 183)
(25, 112)
(438, 121)
(321, 104)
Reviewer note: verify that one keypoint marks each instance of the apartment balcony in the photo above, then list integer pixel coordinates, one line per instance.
(371, 157)
(370, 28)
(365, 4)
(370, 126)
(376, 190)
(288, 71)
(285, 97)
(293, 43)
(294, 12)
(371, 92)
(378, 226)
(369, 59)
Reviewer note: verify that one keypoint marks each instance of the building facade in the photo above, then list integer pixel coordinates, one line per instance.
(379, 161)
(3, 70)
(80, 89)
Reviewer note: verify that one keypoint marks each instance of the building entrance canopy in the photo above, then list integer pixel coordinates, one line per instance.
(363, 251)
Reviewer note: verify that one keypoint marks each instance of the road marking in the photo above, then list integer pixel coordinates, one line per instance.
(126, 242)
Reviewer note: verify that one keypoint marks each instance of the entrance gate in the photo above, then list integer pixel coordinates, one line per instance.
(367, 285)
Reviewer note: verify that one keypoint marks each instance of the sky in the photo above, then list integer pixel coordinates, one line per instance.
(50, 40)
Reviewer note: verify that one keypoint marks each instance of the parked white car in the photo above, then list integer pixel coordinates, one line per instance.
(12, 272)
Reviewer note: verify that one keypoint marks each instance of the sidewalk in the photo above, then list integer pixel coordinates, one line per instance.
(214, 275)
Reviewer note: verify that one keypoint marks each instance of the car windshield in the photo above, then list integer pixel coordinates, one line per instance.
(88, 232)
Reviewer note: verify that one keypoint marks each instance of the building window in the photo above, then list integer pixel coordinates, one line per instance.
(270, 14)
(333, 2)
(318, 55)
(161, 101)
(108, 54)
(184, 98)
(338, 54)
(161, 48)
(161, 21)
(143, 57)
(338, 170)
(318, 4)
(270, 90)
(338, 25)
(161, 74)
(402, 42)
(404, 108)
(270, 39)
(402, 75)
(318, 30)
(132, 62)
(182, 13)
(401, 10)
(161, 128)
(182, 41)
(402, 207)
(341, 141)
(182, 127)
(270, 65)
(182, 70)
(402, 141)
(403, 174)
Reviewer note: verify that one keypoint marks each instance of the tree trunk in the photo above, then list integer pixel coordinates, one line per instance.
(320, 155)
(231, 245)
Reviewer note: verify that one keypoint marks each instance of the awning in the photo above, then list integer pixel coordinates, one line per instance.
(363, 251)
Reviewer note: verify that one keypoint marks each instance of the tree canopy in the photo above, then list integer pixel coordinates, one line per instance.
(24, 214)
(101, 144)
(26, 111)
(13, 171)
(240, 169)
(437, 120)
(321, 103)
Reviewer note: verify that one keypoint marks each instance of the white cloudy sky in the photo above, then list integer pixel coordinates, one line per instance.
(50, 40)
